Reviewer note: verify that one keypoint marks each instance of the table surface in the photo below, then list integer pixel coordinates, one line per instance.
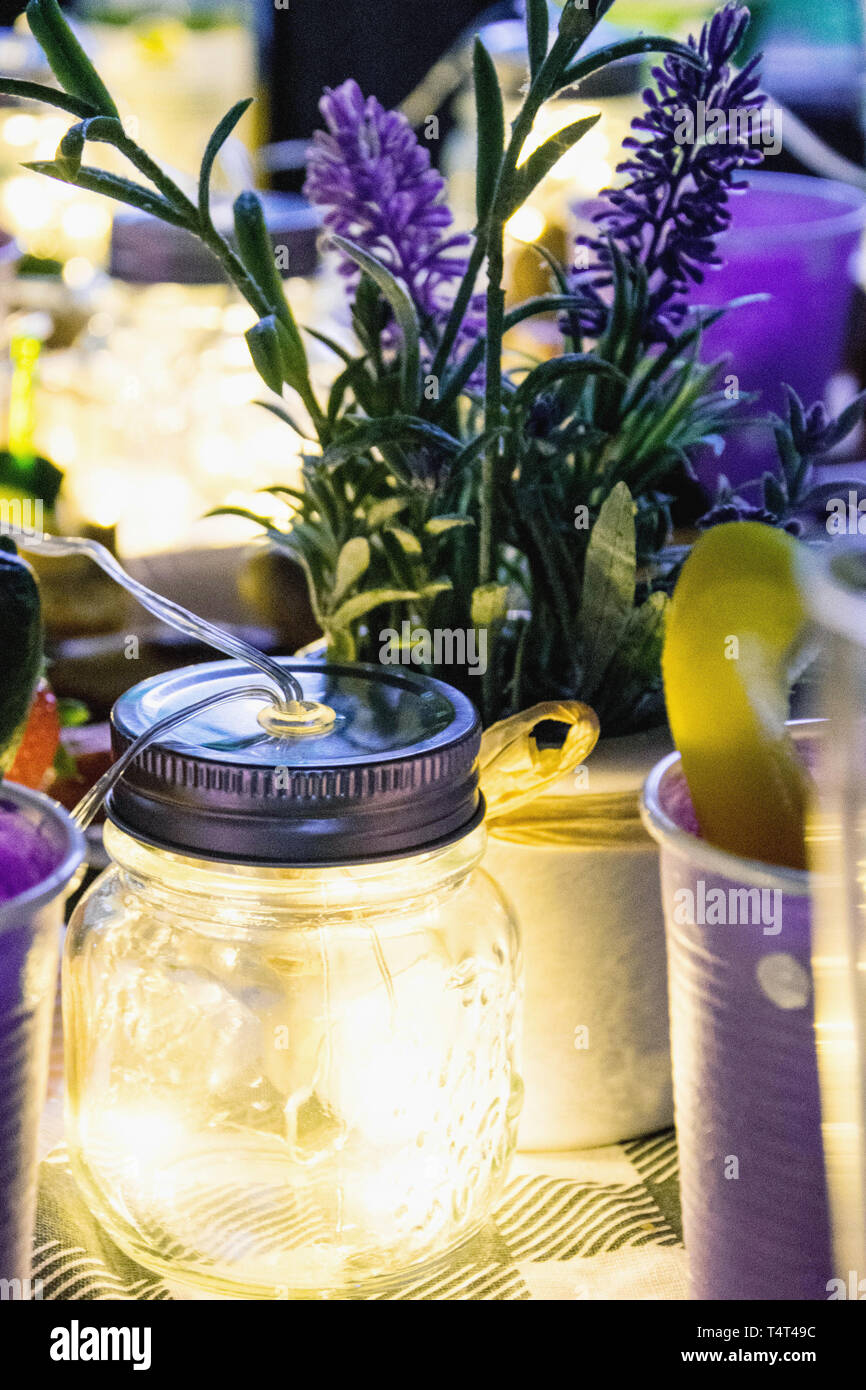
(599, 1224)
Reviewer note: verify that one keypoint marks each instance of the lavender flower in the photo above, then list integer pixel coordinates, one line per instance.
(675, 204)
(377, 187)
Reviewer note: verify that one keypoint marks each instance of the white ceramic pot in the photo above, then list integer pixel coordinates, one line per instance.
(596, 1058)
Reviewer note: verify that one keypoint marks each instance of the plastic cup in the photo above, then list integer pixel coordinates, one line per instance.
(793, 237)
(40, 851)
(745, 1072)
(837, 595)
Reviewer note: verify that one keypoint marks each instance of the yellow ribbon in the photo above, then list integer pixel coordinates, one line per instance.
(515, 772)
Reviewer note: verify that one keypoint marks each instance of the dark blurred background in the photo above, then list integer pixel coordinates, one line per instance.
(387, 46)
(814, 51)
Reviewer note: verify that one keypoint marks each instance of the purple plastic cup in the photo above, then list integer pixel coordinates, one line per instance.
(746, 1097)
(40, 851)
(792, 237)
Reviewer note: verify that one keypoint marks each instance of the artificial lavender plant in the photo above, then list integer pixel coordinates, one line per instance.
(441, 482)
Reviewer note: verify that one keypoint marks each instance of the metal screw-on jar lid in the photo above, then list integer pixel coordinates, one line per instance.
(396, 773)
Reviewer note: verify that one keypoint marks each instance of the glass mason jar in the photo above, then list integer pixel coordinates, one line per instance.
(290, 1004)
(160, 338)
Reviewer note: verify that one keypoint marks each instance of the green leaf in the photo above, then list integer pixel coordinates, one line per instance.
(295, 544)
(537, 33)
(558, 270)
(302, 499)
(656, 366)
(634, 673)
(361, 604)
(637, 659)
(257, 253)
(266, 351)
(341, 646)
(409, 543)
(529, 175)
(478, 446)
(295, 365)
(67, 59)
(489, 605)
(383, 511)
(491, 131)
(399, 567)
(243, 512)
(398, 428)
(404, 312)
(68, 155)
(331, 343)
(134, 195)
(318, 485)
(458, 378)
(609, 581)
(553, 562)
(541, 304)
(353, 563)
(287, 419)
(438, 525)
(214, 145)
(850, 417)
(629, 48)
(107, 129)
(575, 364)
(302, 556)
(312, 539)
(579, 18)
(275, 352)
(775, 494)
(437, 587)
(36, 91)
(353, 378)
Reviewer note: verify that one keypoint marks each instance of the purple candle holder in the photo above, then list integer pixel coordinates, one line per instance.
(746, 1093)
(792, 237)
(40, 852)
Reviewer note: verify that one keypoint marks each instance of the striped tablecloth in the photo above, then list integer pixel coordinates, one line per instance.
(600, 1224)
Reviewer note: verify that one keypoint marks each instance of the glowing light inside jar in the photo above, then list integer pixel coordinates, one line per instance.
(303, 1107)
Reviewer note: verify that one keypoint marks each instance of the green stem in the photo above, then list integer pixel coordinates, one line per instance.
(520, 130)
(259, 302)
(492, 240)
(151, 170)
(564, 49)
(203, 229)
(492, 397)
(236, 271)
(459, 307)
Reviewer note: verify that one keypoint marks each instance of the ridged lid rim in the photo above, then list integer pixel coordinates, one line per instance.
(390, 804)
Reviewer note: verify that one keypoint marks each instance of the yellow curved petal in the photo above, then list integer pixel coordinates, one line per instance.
(735, 620)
